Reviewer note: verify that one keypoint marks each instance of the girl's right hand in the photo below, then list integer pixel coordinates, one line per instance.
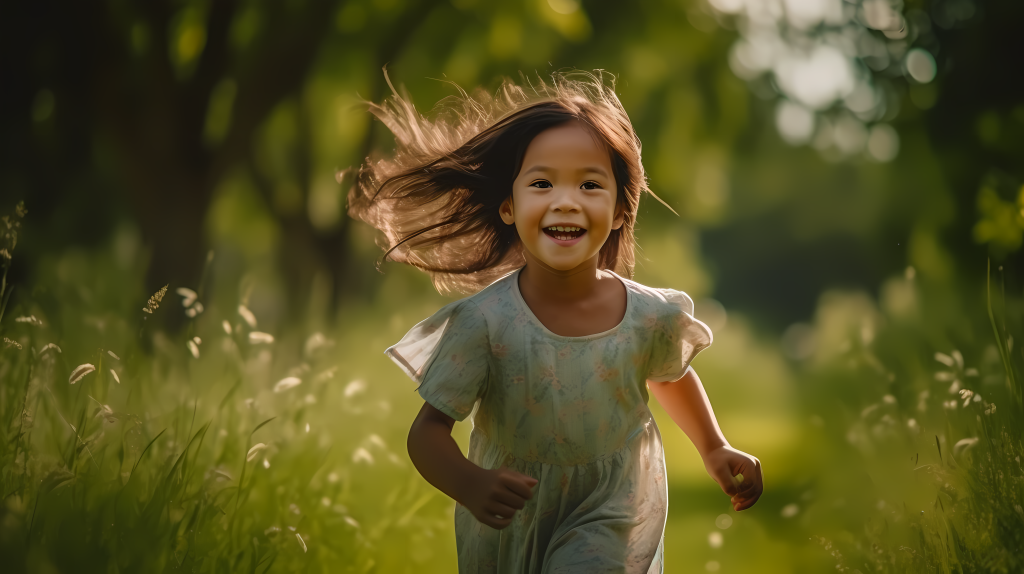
(495, 495)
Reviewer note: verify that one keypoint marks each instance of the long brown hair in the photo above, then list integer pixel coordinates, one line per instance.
(436, 200)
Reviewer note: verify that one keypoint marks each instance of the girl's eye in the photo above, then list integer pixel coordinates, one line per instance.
(591, 185)
(542, 184)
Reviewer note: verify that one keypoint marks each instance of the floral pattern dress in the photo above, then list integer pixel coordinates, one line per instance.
(569, 411)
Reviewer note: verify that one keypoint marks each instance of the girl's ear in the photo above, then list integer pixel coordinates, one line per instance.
(620, 215)
(505, 211)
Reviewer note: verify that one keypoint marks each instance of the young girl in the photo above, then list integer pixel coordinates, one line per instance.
(529, 199)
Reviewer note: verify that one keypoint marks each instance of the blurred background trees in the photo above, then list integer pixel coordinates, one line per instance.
(220, 124)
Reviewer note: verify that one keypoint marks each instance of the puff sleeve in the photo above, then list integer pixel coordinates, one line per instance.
(448, 354)
(677, 338)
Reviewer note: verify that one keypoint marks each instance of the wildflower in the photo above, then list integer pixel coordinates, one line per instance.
(31, 320)
(116, 378)
(259, 337)
(287, 383)
(790, 510)
(247, 315)
(966, 395)
(256, 448)
(154, 302)
(80, 371)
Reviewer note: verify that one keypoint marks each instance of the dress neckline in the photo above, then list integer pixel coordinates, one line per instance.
(529, 312)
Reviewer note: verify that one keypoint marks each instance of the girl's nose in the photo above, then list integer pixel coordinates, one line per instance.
(564, 200)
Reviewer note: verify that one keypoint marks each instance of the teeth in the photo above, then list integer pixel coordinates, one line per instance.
(561, 228)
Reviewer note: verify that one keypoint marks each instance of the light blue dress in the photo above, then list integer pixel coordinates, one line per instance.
(568, 411)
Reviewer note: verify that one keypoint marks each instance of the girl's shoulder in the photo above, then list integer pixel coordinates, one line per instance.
(661, 300)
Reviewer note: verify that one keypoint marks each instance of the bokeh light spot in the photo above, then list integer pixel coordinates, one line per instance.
(794, 122)
(883, 143)
(920, 65)
(723, 521)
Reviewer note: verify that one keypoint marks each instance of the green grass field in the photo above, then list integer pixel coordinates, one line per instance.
(245, 444)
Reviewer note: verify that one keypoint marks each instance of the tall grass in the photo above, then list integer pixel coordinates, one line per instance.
(924, 469)
(221, 448)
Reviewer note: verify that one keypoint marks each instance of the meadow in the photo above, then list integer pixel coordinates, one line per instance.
(889, 430)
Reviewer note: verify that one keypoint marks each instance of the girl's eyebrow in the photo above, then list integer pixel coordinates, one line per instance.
(589, 169)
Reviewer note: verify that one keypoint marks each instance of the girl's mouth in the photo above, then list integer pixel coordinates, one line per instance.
(564, 235)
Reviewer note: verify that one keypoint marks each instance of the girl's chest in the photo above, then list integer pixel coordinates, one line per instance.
(525, 358)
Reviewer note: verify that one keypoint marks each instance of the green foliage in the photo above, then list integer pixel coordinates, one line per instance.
(920, 417)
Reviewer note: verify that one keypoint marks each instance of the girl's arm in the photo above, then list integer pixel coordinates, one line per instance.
(688, 405)
(493, 496)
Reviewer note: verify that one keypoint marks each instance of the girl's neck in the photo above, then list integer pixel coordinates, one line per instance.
(538, 280)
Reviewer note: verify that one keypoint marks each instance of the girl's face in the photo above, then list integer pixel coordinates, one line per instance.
(563, 202)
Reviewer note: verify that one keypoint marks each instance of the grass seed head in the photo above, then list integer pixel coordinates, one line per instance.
(12, 343)
(255, 450)
(260, 338)
(30, 319)
(189, 296)
(247, 315)
(301, 541)
(48, 347)
(81, 371)
(154, 302)
(287, 383)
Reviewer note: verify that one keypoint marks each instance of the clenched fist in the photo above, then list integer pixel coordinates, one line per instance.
(495, 495)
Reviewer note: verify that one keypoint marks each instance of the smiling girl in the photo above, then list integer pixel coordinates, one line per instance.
(529, 200)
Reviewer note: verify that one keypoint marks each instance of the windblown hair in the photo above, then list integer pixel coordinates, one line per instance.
(436, 201)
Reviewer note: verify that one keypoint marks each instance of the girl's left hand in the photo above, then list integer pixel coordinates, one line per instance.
(724, 464)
